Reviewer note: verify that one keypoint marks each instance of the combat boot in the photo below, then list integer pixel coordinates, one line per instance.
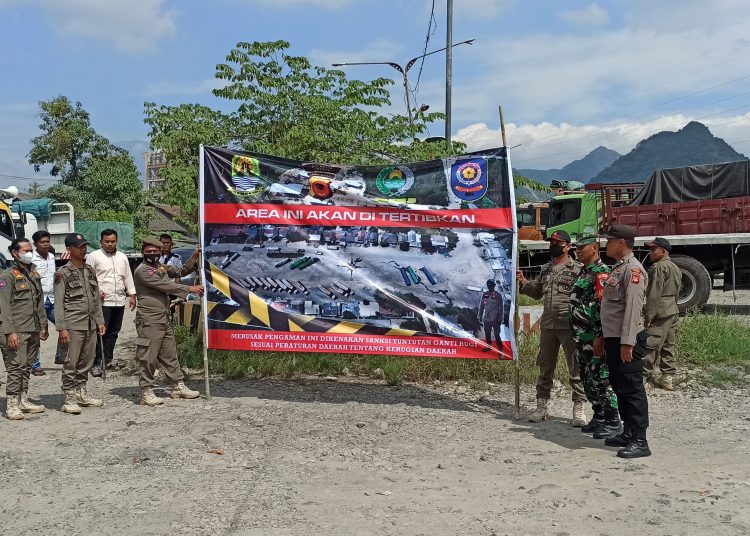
(540, 413)
(26, 406)
(69, 403)
(180, 390)
(596, 422)
(148, 398)
(637, 447)
(620, 440)
(12, 411)
(579, 417)
(666, 382)
(83, 398)
(612, 426)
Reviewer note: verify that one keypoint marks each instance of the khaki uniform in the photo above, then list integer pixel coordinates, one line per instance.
(21, 312)
(660, 315)
(622, 324)
(156, 345)
(554, 285)
(78, 308)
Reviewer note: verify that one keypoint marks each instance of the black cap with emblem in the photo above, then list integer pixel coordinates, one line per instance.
(625, 232)
(74, 240)
(660, 242)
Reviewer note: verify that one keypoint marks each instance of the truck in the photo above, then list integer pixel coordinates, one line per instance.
(29, 216)
(704, 212)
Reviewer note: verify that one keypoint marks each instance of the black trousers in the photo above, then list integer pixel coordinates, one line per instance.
(489, 327)
(113, 322)
(626, 380)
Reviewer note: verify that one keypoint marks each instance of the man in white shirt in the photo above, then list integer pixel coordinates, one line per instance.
(116, 286)
(44, 261)
(167, 257)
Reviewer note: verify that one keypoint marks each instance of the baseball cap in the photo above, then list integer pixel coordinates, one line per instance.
(74, 240)
(620, 231)
(661, 242)
(559, 235)
(585, 240)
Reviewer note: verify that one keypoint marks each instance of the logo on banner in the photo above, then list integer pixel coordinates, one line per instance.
(469, 179)
(320, 187)
(395, 180)
(245, 175)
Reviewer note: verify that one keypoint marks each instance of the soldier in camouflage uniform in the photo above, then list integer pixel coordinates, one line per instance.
(585, 322)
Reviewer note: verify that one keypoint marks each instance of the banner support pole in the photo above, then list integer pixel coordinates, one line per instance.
(204, 299)
(516, 318)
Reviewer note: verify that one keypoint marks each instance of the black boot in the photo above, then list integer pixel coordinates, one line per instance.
(620, 440)
(596, 422)
(637, 448)
(612, 425)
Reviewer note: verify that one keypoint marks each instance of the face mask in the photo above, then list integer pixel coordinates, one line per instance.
(26, 258)
(556, 251)
(152, 258)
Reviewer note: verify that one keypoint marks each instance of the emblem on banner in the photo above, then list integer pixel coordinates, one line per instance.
(320, 187)
(245, 175)
(469, 179)
(395, 180)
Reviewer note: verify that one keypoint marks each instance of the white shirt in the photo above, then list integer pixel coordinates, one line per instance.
(46, 269)
(173, 260)
(114, 276)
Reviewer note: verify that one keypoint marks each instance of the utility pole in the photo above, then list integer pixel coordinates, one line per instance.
(448, 73)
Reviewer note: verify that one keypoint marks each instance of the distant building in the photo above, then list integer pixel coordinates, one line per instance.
(330, 309)
(311, 309)
(155, 161)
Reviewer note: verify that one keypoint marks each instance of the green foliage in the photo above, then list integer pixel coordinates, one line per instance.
(68, 143)
(709, 340)
(522, 186)
(290, 108)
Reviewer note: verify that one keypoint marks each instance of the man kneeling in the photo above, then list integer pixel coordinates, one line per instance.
(156, 345)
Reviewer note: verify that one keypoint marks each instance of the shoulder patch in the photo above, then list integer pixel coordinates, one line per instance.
(58, 277)
(3, 284)
(601, 279)
(151, 272)
(635, 275)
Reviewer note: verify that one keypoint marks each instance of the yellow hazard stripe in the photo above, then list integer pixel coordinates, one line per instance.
(220, 280)
(259, 309)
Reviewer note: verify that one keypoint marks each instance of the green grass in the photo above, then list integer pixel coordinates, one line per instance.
(719, 345)
(523, 300)
(475, 373)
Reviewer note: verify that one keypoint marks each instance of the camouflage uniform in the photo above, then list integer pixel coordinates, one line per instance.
(584, 313)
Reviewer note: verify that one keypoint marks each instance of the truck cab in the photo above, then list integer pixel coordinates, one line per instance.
(576, 213)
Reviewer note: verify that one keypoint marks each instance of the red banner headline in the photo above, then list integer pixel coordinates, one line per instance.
(236, 213)
(343, 343)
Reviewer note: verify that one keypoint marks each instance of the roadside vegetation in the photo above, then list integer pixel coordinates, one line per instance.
(719, 346)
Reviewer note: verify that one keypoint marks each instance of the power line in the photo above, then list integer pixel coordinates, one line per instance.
(431, 28)
(9, 176)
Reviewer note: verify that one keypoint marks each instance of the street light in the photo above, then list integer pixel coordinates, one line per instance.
(405, 70)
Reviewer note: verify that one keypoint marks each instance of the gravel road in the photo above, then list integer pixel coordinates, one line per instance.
(312, 456)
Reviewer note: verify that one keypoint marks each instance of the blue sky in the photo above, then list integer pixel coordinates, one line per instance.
(570, 74)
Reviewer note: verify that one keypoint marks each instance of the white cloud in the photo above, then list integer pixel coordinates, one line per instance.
(202, 87)
(327, 4)
(130, 25)
(380, 49)
(545, 145)
(592, 15)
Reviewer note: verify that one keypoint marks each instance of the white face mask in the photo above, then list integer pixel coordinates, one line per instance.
(26, 257)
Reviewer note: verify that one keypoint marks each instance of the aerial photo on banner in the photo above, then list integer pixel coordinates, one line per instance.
(405, 259)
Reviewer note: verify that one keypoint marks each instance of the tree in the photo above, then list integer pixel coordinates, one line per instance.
(520, 182)
(68, 143)
(287, 107)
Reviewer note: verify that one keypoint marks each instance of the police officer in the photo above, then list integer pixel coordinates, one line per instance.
(585, 322)
(156, 345)
(24, 324)
(79, 319)
(660, 314)
(554, 284)
(491, 312)
(624, 341)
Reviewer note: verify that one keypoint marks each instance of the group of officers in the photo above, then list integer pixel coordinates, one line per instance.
(79, 320)
(616, 327)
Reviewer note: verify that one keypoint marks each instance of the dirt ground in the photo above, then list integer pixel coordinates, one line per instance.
(358, 457)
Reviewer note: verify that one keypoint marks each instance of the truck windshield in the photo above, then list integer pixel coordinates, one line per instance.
(6, 225)
(524, 218)
(564, 211)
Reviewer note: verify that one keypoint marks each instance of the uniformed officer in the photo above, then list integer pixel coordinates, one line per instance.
(156, 345)
(625, 340)
(491, 312)
(660, 314)
(79, 319)
(585, 322)
(24, 324)
(554, 284)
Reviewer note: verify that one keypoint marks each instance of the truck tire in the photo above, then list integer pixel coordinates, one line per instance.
(696, 283)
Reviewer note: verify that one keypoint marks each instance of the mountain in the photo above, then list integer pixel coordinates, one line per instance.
(693, 144)
(580, 170)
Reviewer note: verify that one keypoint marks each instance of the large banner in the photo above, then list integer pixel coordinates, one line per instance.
(407, 259)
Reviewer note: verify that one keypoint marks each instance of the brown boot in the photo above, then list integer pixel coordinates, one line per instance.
(540, 413)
